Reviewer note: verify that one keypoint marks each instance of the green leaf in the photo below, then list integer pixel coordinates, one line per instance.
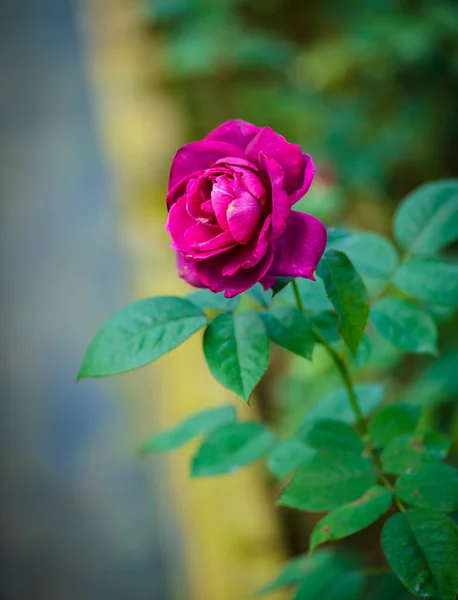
(347, 292)
(422, 548)
(262, 296)
(312, 293)
(237, 351)
(408, 453)
(314, 570)
(329, 481)
(140, 333)
(230, 447)
(405, 325)
(206, 299)
(287, 455)
(363, 353)
(290, 329)
(197, 424)
(330, 434)
(280, 284)
(427, 219)
(434, 486)
(429, 280)
(344, 586)
(339, 239)
(375, 258)
(393, 421)
(350, 518)
(327, 323)
(337, 404)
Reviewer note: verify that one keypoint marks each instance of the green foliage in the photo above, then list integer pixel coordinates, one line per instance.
(433, 486)
(327, 434)
(197, 424)
(429, 280)
(410, 452)
(207, 300)
(347, 293)
(339, 239)
(262, 296)
(287, 455)
(353, 517)
(328, 481)
(422, 546)
(230, 447)
(289, 328)
(427, 220)
(392, 422)
(375, 259)
(405, 325)
(336, 403)
(236, 349)
(140, 333)
(314, 574)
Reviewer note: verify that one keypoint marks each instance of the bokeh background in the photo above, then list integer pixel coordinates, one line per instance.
(95, 97)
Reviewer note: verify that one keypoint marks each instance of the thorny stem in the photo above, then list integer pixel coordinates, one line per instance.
(348, 383)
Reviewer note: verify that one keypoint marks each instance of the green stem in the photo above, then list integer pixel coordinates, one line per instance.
(348, 383)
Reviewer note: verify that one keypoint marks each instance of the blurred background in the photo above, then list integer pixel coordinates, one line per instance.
(95, 98)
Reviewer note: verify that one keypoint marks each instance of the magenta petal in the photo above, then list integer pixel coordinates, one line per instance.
(309, 172)
(222, 195)
(243, 215)
(236, 132)
(245, 257)
(206, 240)
(281, 203)
(210, 273)
(187, 271)
(298, 251)
(196, 156)
(267, 282)
(178, 222)
(289, 156)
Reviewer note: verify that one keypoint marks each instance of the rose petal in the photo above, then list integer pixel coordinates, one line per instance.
(178, 222)
(298, 251)
(289, 156)
(267, 282)
(196, 156)
(309, 172)
(210, 273)
(187, 271)
(281, 203)
(243, 215)
(222, 195)
(252, 183)
(236, 132)
(248, 256)
(206, 240)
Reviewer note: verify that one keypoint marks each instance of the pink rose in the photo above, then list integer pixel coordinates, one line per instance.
(230, 219)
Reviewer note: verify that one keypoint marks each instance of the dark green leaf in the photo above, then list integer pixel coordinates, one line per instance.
(348, 294)
(337, 404)
(258, 293)
(287, 455)
(140, 333)
(405, 325)
(363, 353)
(311, 569)
(345, 586)
(422, 549)
(339, 239)
(327, 323)
(408, 453)
(375, 258)
(312, 293)
(290, 329)
(329, 481)
(206, 299)
(330, 435)
(280, 284)
(427, 219)
(434, 486)
(393, 421)
(350, 518)
(429, 280)
(237, 351)
(199, 423)
(230, 447)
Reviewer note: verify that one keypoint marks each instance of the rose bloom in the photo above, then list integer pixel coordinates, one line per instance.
(230, 218)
